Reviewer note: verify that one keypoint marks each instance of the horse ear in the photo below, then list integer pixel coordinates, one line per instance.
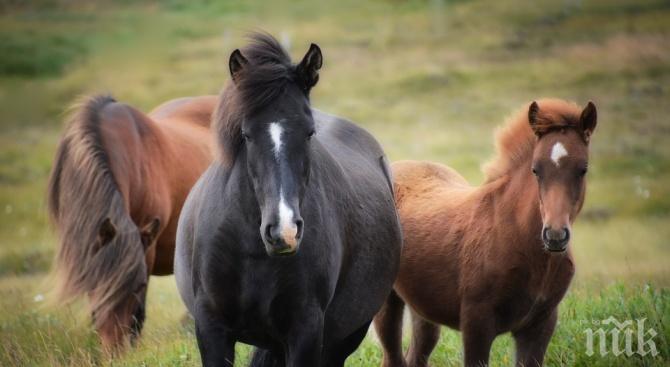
(308, 69)
(588, 120)
(236, 64)
(149, 232)
(533, 111)
(106, 232)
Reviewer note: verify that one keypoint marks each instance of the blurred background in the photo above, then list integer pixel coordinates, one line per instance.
(431, 79)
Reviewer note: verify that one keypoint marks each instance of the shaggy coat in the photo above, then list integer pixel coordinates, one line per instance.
(117, 185)
(490, 259)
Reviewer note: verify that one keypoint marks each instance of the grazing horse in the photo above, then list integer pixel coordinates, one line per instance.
(116, 189)
(495, 258)
(290, 240)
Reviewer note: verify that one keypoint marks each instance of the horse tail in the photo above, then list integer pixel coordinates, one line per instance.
(265, 358)
(82, 194)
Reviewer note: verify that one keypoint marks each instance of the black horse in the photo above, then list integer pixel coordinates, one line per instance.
(290, 241)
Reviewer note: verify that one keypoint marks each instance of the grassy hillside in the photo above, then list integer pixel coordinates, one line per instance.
(431, 79)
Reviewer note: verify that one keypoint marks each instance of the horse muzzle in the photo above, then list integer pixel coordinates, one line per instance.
(555, 240)
(282, 240)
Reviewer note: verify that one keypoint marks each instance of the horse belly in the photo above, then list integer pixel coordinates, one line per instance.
(360, 295)
(429, 297)
(370, 265)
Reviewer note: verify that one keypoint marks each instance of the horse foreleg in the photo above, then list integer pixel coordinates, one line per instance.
(425, 335)
(388, 325)
(305, 341)
(531, 342)
(343, 349)
(478, 329)
(216, 345)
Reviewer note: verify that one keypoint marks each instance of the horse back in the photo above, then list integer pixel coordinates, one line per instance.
(195, 110)
(423, 176)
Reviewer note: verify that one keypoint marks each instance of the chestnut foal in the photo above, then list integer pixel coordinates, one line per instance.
(495, 258)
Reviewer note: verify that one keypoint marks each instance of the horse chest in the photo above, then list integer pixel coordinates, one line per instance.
(519, 312)
(259, 297)
(534, 299)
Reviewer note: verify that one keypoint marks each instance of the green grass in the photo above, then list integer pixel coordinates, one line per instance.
(59, 337)
(431, 80)
(29, 54)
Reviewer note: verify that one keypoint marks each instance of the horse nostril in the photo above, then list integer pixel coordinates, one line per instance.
(561, 235)
(566, 235)
(299, 224)
(268, 234)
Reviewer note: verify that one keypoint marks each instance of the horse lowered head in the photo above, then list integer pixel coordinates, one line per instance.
(117, 302)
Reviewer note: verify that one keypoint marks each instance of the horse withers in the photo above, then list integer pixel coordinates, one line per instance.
(116, 189)
(290, 240)
(496, 258)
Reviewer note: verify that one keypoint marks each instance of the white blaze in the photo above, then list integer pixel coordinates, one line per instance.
(287, 227)
(558, 152)
(275, 133)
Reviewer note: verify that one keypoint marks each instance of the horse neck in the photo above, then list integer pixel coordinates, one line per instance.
(520, 194)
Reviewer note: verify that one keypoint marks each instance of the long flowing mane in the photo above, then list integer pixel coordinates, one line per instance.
(81, 193)
(266, 77)
(515, 140)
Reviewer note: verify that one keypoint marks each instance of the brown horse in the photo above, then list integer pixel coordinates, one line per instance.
(116, 189)
(491, 259)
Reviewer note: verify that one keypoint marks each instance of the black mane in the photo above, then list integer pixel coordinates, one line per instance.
(266, 77)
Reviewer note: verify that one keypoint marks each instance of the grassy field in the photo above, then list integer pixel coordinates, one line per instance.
(431, 79)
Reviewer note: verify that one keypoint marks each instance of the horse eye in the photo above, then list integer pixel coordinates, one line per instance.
(244, 136)
(534, 171)
(582, 172)
(311, 133)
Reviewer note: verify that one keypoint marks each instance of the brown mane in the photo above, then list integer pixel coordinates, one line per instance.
(269, 72)
(81, 177)
(515, 140)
